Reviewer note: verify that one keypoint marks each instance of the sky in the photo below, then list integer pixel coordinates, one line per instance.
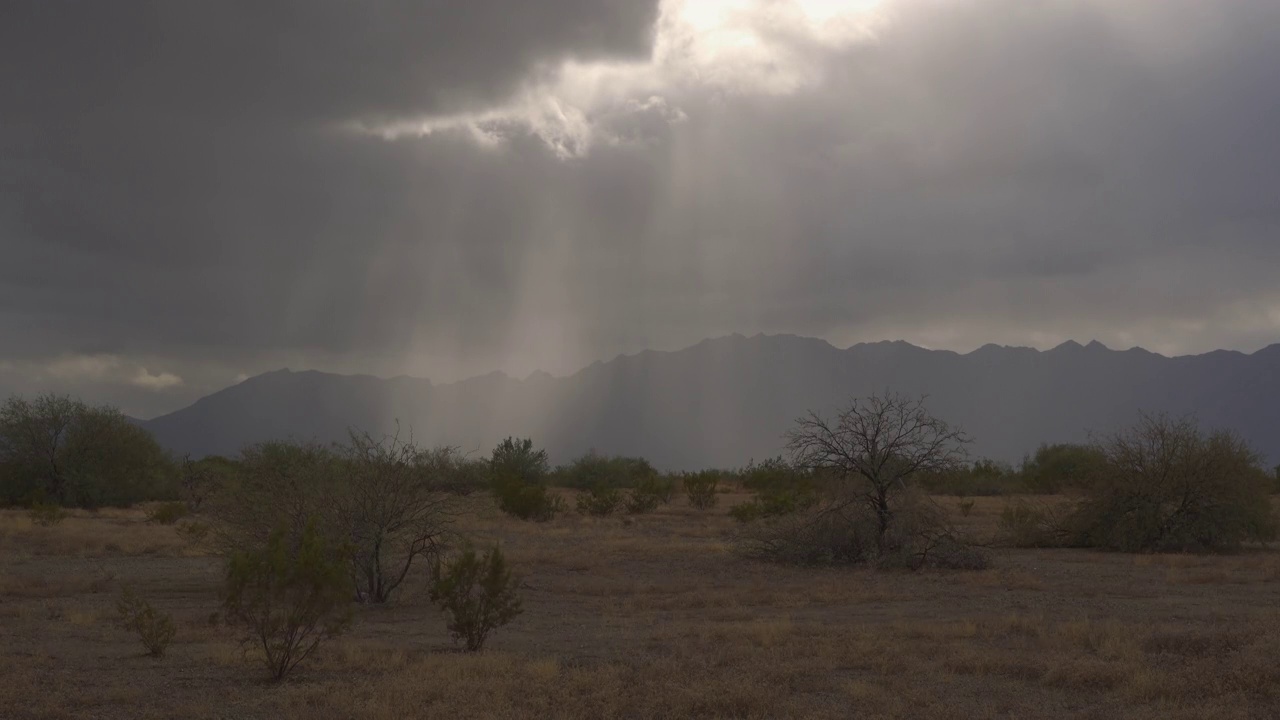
(192, 193)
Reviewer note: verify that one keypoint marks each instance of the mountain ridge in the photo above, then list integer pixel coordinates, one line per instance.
(725, 400)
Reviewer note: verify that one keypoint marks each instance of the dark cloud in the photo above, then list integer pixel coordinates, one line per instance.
(184, 190)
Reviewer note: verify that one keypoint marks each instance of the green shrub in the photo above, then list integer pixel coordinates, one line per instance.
(289, 595)
(599, 501)
(780, 489)
(168, 513)
(517, 477)
(1166, 486)
(984, 478)
(46, 514)
(529, 502)
(650, 492)
(74, 455)
(593, 469)
(1065, 466)
(154, 628)
(700, 487)
(478, 593)
(772, 502)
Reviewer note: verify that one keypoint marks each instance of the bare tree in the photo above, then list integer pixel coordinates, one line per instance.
(396, 506)
(878, 443)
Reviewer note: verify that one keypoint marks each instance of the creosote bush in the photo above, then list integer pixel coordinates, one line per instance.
(478, 592)
(650, 492)
(593, 469)
(517, 477)
(701, 487)
(600, 501)
(288, 595)
(154, 628)
(780, 489)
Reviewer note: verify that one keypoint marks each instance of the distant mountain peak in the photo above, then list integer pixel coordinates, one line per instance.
(725, 400)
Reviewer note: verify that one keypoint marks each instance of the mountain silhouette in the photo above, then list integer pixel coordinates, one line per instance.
(726, 400)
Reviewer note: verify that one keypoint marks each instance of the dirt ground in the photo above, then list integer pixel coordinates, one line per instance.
(656, 617)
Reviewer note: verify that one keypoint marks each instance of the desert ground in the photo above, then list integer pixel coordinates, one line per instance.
(655, 616)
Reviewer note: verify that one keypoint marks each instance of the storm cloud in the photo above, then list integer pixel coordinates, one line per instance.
(194, 192)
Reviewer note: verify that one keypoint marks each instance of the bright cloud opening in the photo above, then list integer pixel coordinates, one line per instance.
(763, 47)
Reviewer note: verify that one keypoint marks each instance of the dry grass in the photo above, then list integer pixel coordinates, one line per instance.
(655, 617)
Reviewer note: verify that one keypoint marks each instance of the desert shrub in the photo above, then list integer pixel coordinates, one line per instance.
(772, 502)
(837, 532)
(1164, 485)
(479, 594)
(1060, 467)
(780, 489)
(649, 492)
(467, 476)
(200, 480)
(840, 536)
(659, 486)
(1026, 525)
(594, 469)
(154, 628)
(277, 484)
(639, 503)
(46, 514)
(982, 478)
(700, 488)
(530, 502)
(517, 476)
(288, 595)
(395, 503)
(168, 513)
(600, 501)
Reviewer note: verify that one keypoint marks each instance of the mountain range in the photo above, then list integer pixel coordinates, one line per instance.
(727, 400)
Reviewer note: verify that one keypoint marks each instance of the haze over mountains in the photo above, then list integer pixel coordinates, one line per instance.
(727, 400)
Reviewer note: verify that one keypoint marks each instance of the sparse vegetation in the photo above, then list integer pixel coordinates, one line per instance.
(154, 628)
(701, 488)
(288, 595)
(479, 593)
(46, 514)
(309, 530)
(168, 513)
